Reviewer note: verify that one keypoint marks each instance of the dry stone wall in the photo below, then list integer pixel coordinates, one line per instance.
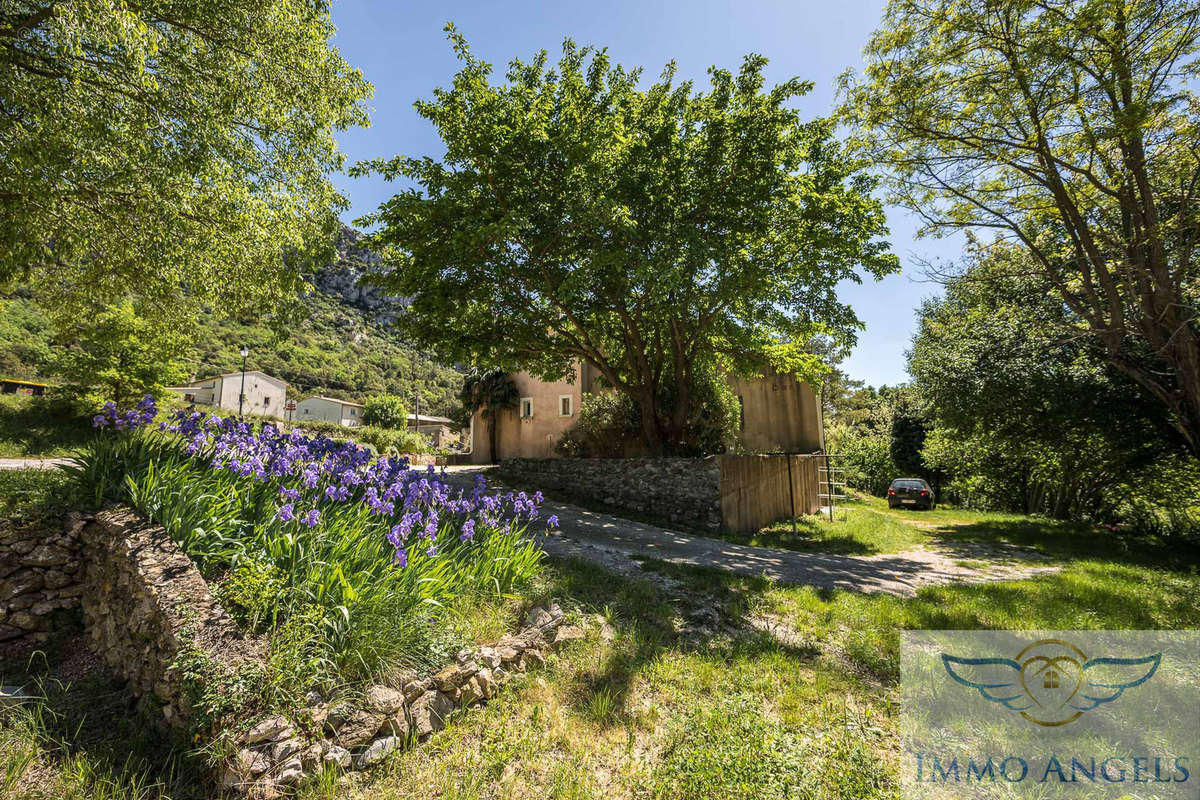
(39, 578)
(680, 490)
(144, 601)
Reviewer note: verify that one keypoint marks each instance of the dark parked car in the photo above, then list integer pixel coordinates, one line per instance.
(910, 493)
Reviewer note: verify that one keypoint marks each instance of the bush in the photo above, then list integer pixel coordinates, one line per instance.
(607, 427)
(385, 411)
(388, 441)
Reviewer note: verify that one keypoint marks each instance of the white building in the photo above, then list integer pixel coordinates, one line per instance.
(328, 409)
(264, 394)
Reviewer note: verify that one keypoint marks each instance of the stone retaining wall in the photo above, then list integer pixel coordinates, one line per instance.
(39, 578)
(144, 601)
(680, 490)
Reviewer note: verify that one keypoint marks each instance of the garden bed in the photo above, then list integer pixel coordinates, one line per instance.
(344, 573)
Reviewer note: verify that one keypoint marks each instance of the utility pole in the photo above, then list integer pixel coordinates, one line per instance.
(416, 398)
(242, 393)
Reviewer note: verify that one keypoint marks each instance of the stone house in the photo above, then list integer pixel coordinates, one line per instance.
(328, 409)
(779, 415)
(264, 394)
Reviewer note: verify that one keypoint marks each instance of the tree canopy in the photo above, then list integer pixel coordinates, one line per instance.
(159, 148)
(1068, 127)
(664, 234)
(119, 356)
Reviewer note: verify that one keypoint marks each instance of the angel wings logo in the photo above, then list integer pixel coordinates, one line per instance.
(1052, 682)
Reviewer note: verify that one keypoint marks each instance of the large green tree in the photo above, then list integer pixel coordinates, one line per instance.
(663, 234)
(1069, 127)
(118, 355)
(168, 147)
(1026, 418)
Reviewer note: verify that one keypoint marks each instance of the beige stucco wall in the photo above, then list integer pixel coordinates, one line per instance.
(534, 436)
(780, 414)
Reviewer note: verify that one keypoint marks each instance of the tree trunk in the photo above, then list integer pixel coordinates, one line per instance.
(493, 452)
(651, 433)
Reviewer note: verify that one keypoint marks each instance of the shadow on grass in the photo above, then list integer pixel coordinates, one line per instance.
(1067, 540)
(650, 623)
(90, 734)
(32, 427)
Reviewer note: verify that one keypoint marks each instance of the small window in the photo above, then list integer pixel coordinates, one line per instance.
(526, 407)
(353, 412)
(564, 405)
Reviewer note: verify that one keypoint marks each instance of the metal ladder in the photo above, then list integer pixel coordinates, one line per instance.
(831, 481)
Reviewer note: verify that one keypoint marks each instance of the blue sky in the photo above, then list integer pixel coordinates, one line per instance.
(402, 50)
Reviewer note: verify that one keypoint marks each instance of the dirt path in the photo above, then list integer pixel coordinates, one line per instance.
(31, 463)
(614, 543)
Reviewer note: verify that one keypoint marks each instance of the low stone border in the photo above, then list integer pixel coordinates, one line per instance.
(280, 750)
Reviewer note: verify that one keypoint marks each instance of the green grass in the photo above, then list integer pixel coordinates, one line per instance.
(36, 427)
(860, 527)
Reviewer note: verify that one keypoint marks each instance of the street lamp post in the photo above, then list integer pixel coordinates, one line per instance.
(242, 395)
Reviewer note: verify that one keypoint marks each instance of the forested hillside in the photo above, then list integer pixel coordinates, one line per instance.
(342, 344)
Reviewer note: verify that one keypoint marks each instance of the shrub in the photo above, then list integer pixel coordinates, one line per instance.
(607, 427)
(385, 411)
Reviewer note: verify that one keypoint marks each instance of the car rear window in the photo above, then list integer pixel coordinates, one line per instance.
(908, 484)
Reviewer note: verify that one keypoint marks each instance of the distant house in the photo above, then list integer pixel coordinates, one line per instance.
(779, 415)
(439, 430)
(264, 394)
(14, 386)
(329, 409)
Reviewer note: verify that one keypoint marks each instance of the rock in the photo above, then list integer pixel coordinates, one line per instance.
(21, 583)
(455, 675)
(285, 749)
(24, 620)
(270, 729)
(56, 579)
(46, 556)
(567, 633)
(471, 692)
(532, 658)
(538, 617)
(337, 715)
(312, 755)
(337, 756)
(508, 654)
(250, 763)
(417, 687)
(290, 772)
(429, 713)
(384, 700)
(378, 750)
(464, 655)
(359, 728)
(313, 698)
(488, 657)
(397, 725)
(487, 683)
(10, 632)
